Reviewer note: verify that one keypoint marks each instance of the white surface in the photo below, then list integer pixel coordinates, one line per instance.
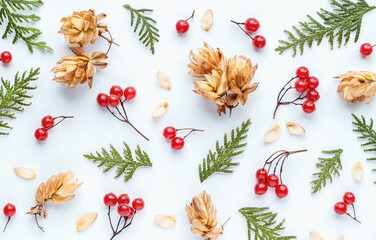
(173, 180)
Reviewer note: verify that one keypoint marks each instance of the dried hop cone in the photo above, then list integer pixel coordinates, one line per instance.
(202, 216)
(80, 28)
(74, 70)
(357, 86)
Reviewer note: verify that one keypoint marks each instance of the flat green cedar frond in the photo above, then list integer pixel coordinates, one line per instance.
(262, 224)
(13, 97)
(327, 167)
(124, 165)
(148, 33)
(12, 11)
(337, 25)
(221, 159)
(367, 133)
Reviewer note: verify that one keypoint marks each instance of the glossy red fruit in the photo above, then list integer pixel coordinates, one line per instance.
(302, 73)
(110, 199)
(313, 95)
(138, 204)
(349, 198)
(102, 99)
(169, 132)
(259, 42)
(6, 57)
(123, 210)
(301, 85)
(182, 26)
(261, 174)
(261, 188)
(366, 49)
(116, 90)
(48, 121)
(281, 190)
(113, 101)
(9, 210)
(41, 134)
(340, 208)
(313, 82)
(130, 93)
(123, 199)
(272, 180)
(131, 213)
(252, 24)
(309, 106)
(177, 143)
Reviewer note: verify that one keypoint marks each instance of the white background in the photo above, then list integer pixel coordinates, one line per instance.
(173, 180)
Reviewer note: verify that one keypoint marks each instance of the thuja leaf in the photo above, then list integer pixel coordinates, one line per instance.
(14, 96)
(12, 14)
(262, 224)
(124, 166)
(328, 167)
(148, 33)
(220, 160)
(337, 25)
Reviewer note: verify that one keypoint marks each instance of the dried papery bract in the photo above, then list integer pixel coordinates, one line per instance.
(315, 236)
(57, 189)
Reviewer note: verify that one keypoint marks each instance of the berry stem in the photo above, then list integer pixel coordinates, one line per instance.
(237, 23)
(36, 220)
(353, 217)
(109, 218)
(110, 41)
(125, 225)
(193, 14)
(62, 119)
(6, 224)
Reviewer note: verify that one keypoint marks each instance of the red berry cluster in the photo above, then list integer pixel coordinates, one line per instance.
(48, 122)
(306, 86)
(182, 26)
(251, 25)
(366, 49)
(5, 57)
(265, 180)
(177, 143)
(341, 207)
(9, 210)
(115, 99)
(125, 211)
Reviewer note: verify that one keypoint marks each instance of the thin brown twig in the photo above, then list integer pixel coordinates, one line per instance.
(193, 14)
(238, 24)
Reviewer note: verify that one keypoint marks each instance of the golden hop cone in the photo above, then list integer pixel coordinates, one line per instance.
(203, 217)
(357, 86)
(214, 87)
(80, 28)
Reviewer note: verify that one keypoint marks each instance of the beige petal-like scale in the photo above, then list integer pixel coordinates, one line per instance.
(357, 171)
(165, 221)
(25, 173)
(340, 238)
(164, 80)
(315, 236)
(273, 134)
(160, 109)
(295, 129)
(85, 220)
(207, 20)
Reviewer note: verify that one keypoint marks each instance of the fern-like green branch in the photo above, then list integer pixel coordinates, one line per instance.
(10, 11)
(221, 159)
(328, 167)
(262, 224)
(148, 33)
(126, 165)
(13, 97)
(338, 25)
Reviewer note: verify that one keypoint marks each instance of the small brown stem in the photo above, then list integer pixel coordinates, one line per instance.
(6, 224)
(238, 24)
(283, 92)
(223, 225)
(137, 130)
(193, 130)
(118, 224)
(110, 41)
(193, 14)
(62, 119)
(353, 217)
(109, 219)
(36, 220)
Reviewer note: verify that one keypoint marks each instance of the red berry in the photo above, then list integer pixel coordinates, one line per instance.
(272, 180)
(302, 73)
(48, 121)
(138, 204)
(110, 199)
(123, 199)
(301, 85)
(259, 42)
(169, 132)
(349, 198)
(313, 95)
(182, 26)
(313, 82)
(102, 99)
(116, 90)
(261, 188)
(6, 57)
(9, 210)
(340, 208)
(124, 210)
(251, 24)
(309, 106)
(261, 174)
(366, 49)
(281, 190)
(113, 100)
(177, 143)
(41, 134)
(129, 93)
(131, 213)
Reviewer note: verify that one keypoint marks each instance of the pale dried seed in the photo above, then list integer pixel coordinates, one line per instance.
(315, 236)
(295, 129)
(85, 220)
(25, 173)
(160, 109)
(164, 221)
(273, 133)
(207, 20)
(164, 80)
(340, 238)
(357, 171)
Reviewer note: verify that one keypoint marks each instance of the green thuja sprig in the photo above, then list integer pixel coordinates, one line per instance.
(148, 33)
(12, 11)
(221, 159)
(127, 165)
(328, 167)
(338, 25)
(262, 224)
(13, 97)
